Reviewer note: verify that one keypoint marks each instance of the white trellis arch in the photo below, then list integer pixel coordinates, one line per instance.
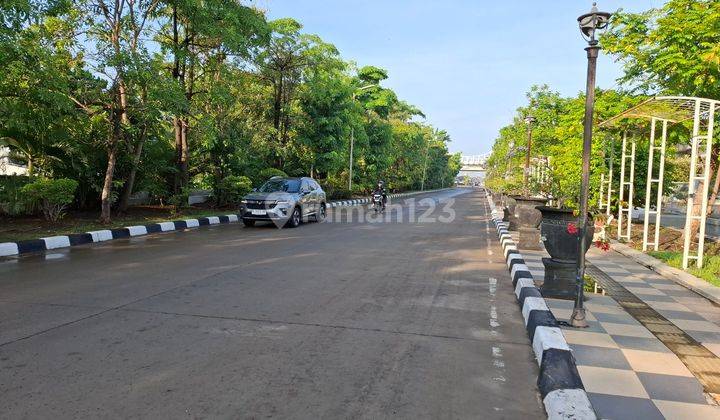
(663, 111)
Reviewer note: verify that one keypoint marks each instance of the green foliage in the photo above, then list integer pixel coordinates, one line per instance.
(711, 265)
(337, 193)
(673, 49)
(52, 195)
(11, 197)
(191, 94)
(231, 190)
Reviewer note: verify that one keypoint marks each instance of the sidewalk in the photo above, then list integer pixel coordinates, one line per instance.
(627, 370)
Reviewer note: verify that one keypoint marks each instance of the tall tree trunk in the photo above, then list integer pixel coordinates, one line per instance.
(130, 183)
(277, 105)
(184, 154)
(105, 197)
(177, 126)
(30, 166)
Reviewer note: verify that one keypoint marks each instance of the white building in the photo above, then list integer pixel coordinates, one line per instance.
(8, 166)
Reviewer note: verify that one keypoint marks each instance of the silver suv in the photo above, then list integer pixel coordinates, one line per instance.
(285, 202)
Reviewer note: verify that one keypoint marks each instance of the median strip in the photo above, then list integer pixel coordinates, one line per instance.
(559, 382)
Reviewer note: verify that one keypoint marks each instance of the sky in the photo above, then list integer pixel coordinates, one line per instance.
(465, 63)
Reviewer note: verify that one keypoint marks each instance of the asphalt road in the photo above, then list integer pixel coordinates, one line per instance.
(332, 320)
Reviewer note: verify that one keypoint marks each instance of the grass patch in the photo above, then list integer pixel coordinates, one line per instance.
(13, 229)
(711, 265)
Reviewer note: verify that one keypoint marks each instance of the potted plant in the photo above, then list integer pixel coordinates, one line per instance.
(560, 232)
(527, 218)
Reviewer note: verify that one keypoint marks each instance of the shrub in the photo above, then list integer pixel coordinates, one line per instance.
(11, 197)
(52, 195)
(231, 189)
(180, 200)
(339, 194)
(266, 174)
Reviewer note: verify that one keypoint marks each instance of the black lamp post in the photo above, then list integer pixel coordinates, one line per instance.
(529, 120)
(590, 24)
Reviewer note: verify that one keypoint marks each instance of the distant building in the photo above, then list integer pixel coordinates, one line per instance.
(473, 169)
(8, 166)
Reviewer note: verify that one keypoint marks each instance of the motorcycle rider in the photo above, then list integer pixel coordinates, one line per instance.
(380, 189)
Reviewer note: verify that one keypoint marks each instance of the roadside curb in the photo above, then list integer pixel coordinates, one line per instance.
(677, 275)
(9, 249)
(358, 201)
(559, 382)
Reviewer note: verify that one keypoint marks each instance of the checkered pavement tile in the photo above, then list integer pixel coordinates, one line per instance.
(672, 388)
(679, 410)
(622, 407)
(640, 343)
(608, 381)
(627, 371)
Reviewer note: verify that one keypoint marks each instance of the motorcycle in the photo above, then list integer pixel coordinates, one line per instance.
(377, 202)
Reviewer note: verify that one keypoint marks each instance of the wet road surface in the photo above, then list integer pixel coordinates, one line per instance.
(333, 320)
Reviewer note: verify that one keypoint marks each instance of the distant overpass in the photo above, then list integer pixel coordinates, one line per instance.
(473, 167)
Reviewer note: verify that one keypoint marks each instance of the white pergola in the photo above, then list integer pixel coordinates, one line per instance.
(664, 112)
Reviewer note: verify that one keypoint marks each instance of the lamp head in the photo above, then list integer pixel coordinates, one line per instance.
(529, 120)
(593, 22)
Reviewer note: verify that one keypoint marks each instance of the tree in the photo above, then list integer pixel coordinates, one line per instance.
(199, 36)
(674, 49)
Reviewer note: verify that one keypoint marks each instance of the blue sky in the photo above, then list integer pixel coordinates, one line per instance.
(466, 63)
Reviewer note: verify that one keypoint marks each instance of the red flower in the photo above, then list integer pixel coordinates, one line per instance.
(572, 229)
(604, 245)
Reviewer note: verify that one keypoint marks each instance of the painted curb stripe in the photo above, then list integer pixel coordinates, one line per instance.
(179, 225)
(8, 248)
(54, 242)
(547, 338)
(80, 239)
(528, 292)
(100, 235)
(31, 245)
(558, 371)
(120, 233)
(137, 230)
(568, 404)
(540, 318)
(154, 228)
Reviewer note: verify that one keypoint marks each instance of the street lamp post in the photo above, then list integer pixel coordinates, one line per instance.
(352, 139)
(529, 120)
(590, 24)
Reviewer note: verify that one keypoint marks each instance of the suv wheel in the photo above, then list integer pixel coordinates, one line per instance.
(294, 220)
(320, 216)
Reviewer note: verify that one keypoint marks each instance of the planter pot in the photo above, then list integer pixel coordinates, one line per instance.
(560, 270)
(528, 218)
(561, 245)
(510, 204)
(526, 213)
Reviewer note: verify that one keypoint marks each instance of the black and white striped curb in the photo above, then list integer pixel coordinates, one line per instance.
(559, 382)
(63, 241)
(359, 201)
(54, 242)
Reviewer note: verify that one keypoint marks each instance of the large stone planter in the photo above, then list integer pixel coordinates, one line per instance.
(528, 219)
(564, 249)
(510, 203)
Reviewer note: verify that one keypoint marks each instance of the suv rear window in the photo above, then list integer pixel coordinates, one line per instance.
(281, 185)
